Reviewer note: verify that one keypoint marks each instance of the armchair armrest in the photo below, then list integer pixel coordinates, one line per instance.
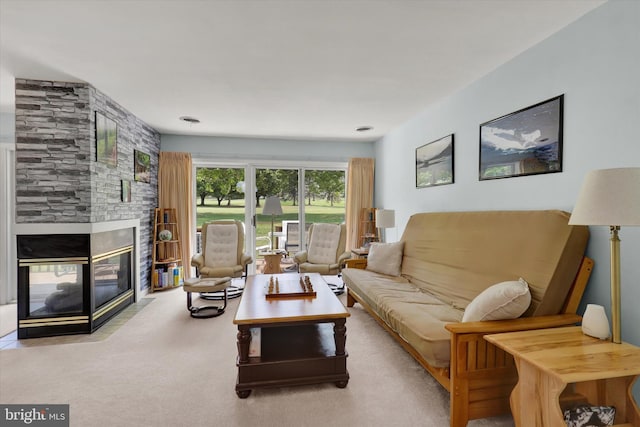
(343, 257)
(246, 259)
(197, 260)
(521, 324)
(300, 257)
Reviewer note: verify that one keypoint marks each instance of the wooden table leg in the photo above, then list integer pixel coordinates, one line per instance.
(340, 338)
(535, 400)
(617, 392)
(244, 339)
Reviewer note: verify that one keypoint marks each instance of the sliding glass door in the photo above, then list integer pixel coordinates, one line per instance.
(219, 195)
(277, 207)
(304, 196)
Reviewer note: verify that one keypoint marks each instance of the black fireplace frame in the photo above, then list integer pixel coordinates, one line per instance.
(82, 249)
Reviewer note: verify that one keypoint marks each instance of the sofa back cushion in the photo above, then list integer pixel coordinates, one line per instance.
(457, 255)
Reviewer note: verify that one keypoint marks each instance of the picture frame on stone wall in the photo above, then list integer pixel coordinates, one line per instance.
(141, 166)
(126, 191)
(106, 140)
(525, 142)
(434, 163)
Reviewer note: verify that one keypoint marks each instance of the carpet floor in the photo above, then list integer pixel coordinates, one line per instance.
(161, 367)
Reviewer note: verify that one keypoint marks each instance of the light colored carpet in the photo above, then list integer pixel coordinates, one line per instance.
(163, 368)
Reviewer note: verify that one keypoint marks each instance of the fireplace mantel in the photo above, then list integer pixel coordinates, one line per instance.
(90, 228)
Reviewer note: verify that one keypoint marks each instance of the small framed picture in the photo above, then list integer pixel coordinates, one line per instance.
(126, 191)
(141, 166)
(434, 163)
(525, 142)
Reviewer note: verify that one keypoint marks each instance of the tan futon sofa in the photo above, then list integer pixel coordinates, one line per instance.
(447, 260)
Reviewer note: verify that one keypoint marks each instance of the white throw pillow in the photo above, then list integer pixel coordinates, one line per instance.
(385, 258)
(505, 300)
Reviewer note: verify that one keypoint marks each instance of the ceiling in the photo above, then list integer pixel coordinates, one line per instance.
(306, 69)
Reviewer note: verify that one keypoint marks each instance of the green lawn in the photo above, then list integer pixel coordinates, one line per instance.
(319, 211)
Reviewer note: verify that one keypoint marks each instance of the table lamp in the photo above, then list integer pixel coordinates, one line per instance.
(610, 197)
(272, 207)
(385, 218)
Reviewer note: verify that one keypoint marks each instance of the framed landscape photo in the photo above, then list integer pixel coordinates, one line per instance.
(141, 166)
(434, 163)
(525, 142)
(106, 140)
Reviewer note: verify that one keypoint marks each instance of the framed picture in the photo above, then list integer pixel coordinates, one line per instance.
(526, 142)
(106, 140)
(434, 163)
(141, 166)
(126, 191)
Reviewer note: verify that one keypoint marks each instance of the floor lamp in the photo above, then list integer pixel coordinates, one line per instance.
(610, 197)
(272, 207)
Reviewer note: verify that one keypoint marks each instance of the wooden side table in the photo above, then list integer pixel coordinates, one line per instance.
(271, 262)
(360, 252)
(557, 361)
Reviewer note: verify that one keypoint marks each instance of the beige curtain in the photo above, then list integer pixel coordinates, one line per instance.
(175, 184)
(359, 195)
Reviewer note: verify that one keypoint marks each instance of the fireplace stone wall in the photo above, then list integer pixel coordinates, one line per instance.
(58, 179)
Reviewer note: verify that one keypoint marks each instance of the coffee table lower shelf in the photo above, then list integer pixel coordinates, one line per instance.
(290, 356)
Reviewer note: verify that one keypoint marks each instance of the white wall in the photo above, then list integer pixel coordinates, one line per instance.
(595, 62)
(8, 285)
(229, 148)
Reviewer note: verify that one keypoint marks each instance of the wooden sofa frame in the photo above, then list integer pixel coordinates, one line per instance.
(480, 376)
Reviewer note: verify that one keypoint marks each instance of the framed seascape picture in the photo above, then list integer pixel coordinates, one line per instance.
(126, 191)
(526, 142)
(106, 140)
(141, 166)
(434, 163)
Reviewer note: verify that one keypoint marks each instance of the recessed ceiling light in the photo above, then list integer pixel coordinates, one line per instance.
(364, 128)
(189, 119)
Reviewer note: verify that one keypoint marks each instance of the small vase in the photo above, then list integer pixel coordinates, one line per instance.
(595, 322)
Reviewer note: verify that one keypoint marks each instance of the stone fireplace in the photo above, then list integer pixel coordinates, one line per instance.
(70, 283)
(70, 208)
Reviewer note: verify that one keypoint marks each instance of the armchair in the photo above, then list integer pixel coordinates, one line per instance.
(222, 252)
(326, 252)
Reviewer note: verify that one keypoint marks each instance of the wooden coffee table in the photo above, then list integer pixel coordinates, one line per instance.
(302, 338)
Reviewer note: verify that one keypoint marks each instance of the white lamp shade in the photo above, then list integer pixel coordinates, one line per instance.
(609, 197)
(385, 218)
(272, 206)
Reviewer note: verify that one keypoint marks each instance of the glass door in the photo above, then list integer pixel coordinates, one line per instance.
(277, 219)
(219, 195)
(324, 192)
(305, 196)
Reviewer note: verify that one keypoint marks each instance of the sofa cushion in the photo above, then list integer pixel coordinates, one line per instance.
(416, 316)
(505, 300)
(385, 258)
(457, 255)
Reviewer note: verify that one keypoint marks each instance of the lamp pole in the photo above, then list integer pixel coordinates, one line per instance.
(615, 284)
